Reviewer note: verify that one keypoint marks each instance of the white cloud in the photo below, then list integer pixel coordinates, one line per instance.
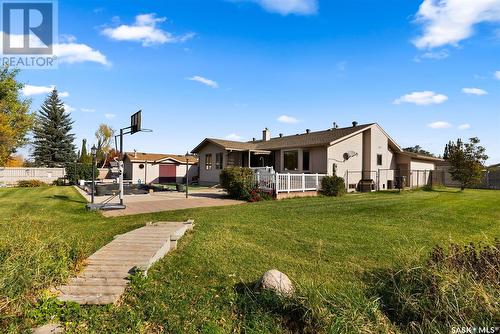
(287, 119)
(286, 7)
(464, 126)
(71, 53)
(439, 125)
(68, 51)
(68, 108)
(447, 22)
(474, 91)
(433, 55)
(109, 116)
(497, 75)
(233, 136)
(422, 98)
(87, 110)
(145, 30)
(205, 81)
(29, 90)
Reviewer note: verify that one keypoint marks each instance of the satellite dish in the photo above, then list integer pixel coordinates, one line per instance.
(349, 154)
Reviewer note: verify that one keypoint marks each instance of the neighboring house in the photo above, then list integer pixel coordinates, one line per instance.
(358, 152)
(159, 168)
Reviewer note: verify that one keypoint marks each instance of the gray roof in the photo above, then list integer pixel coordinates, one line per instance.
(317, 138)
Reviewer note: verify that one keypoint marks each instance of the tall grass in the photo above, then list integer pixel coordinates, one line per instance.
(455, 286)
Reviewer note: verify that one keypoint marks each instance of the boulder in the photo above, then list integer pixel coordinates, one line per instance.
(276, 281)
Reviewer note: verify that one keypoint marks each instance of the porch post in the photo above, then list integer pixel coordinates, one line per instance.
(288, 183)
(249, 165)
(317, 181)
(303, 182)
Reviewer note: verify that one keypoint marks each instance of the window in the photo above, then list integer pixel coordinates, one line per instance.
(208, 161)
(379, 159)
(291, 160)
(218, 160)
(305, 160)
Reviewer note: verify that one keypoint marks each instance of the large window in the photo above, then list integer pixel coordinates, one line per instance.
(208, 161)
(305, 160)
(291, 160)
(379, 159)
(218, 160)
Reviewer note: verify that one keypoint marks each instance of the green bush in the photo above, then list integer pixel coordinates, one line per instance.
(238, 182)
(30, 183)
(333, 186)
(59, 182)
(76, 172)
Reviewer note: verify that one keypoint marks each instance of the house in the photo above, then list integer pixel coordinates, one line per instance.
(159, 168)
(356, 153)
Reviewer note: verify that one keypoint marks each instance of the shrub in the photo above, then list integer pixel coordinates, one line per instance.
(257, 195)
(59, 182)
(238, 182)
(30, 183)
(333, 186)
(453, 287)
(76, 172)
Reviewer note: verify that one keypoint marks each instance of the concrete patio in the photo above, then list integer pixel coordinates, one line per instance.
(165, 201)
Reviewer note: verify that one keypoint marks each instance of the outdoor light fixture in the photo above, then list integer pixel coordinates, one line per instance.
(187, 174)
(93, 151)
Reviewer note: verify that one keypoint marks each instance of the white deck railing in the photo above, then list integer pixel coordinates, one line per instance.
(281, 183)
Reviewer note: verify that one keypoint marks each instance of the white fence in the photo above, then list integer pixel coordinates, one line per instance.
(286, 183)
(11, 175)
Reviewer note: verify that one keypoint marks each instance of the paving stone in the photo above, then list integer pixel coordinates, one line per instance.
(103, 280)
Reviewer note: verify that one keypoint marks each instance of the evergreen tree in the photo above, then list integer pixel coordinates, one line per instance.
(84, 157)
(53, 142)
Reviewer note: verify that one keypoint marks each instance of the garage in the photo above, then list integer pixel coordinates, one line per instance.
(168, 173)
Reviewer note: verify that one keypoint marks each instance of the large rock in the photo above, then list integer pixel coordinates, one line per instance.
(276, 281)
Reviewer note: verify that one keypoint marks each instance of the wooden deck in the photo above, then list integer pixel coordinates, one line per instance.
(104, 278)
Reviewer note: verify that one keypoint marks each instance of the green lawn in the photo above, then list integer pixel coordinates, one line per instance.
(327, 246)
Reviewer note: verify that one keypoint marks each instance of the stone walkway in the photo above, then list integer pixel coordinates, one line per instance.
(104, 278)
(166, 201)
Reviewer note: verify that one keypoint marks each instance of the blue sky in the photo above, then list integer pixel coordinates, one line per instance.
(425, 71)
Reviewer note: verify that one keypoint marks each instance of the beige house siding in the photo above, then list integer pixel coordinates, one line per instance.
(317, 160)
(211, 177)
(354, 164)
(151, 171)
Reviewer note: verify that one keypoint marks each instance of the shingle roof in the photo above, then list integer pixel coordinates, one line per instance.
(317, 138)
(141, 156)
(420, 156)
(310, 139)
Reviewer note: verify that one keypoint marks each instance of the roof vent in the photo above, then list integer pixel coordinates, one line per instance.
(335, 125)
(135, 153)
(281, 135)
(308, 130)
(253, 139)
(354, 123)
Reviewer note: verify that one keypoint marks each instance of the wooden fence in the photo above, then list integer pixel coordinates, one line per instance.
(12, 175)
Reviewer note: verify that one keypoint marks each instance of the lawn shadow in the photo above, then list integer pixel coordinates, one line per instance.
(291, 313)
(65, 198)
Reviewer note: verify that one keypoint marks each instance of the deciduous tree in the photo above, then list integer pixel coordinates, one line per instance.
(466, 162)
(15, 118)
